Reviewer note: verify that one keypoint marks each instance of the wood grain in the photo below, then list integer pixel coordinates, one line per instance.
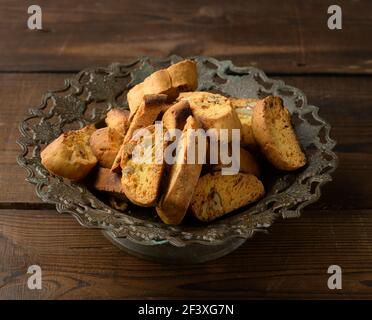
(291, 261)
(19, 93)
(288, 38)
(342, 101)
(291, 41)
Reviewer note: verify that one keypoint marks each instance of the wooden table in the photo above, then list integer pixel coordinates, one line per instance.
(290, 41)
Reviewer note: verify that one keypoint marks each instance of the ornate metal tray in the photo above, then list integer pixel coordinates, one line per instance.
(86, 98)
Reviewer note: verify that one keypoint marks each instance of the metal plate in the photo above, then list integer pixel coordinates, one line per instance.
(87, 97)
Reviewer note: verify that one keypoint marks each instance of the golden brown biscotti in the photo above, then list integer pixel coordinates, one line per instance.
(244, 109)
(135, 97)
(175, 117)
(184, 75)
(141, 180)
(146, 114)
(105, 144)
(118, 119)
(70, 155)
(248, 164)
(212, 111)
(178, 77)
(273, 131)
(158, 82)
(183, 178)
(216, 194)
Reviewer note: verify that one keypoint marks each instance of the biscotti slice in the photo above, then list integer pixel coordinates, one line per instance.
(148, 111)
(105, 144)
(157, 83)
(213, 111)
(244, 109)
(70, 155)
(185, 95)
(184, 75)
(134, 97)
(181, 76)
(183, 178)
(141, 174)
(146, 114)
(118, 119)
(102, 179)
(216, 194)
(175, 117)
(272, 129)
(248, 163)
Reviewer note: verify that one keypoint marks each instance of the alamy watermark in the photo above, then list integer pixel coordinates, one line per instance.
(335, 20)
(34, 22)
(223, 146)
(34, 282)
(335, 280)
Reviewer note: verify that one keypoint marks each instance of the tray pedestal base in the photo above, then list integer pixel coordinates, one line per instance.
(167, 253)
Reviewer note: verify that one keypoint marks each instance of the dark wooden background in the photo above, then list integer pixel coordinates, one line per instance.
(289, 40)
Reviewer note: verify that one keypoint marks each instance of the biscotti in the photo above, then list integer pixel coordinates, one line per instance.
(102, 179)
(213, 111)
(146, 114)
(273, 131)
(184, 75)
(248, 163)
(158, 82)
(216, 194)
(141, 174)
(244, 109)
(135, 96)
(105, 144)
(70, 155)
(183, 178)
(118, 119)
(178, 77)
(175, 117)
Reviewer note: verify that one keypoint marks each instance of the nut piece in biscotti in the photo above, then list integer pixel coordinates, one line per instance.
(184, 75)
(244, 109)
(175, 117)
(213, 111)
(146, 114)
(216, 194)
(141, 169)
(273, 131)
(118, 119)
(105, 144)
(182, 180)
(248, 164)
(70, 155)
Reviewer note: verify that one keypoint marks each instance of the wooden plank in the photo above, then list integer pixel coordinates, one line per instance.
(290, 37)
(289, 262)
(345, 102)
(19, 93)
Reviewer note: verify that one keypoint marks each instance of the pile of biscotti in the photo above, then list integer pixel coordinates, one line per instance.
(103, 157)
